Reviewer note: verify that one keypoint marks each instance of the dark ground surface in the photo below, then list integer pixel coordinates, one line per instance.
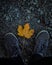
(36, 12)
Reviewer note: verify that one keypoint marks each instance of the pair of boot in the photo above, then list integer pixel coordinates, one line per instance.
(12, 44)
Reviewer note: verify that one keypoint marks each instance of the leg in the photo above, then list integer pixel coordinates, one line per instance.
(12, 50)
(42, 40)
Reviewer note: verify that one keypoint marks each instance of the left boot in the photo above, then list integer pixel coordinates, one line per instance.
(11, 45)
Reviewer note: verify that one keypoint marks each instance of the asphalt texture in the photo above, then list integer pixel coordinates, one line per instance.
(36, 12)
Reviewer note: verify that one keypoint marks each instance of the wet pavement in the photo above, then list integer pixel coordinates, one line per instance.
(36, 12)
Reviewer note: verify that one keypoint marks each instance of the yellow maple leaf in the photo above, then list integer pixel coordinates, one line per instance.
(26, 31)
